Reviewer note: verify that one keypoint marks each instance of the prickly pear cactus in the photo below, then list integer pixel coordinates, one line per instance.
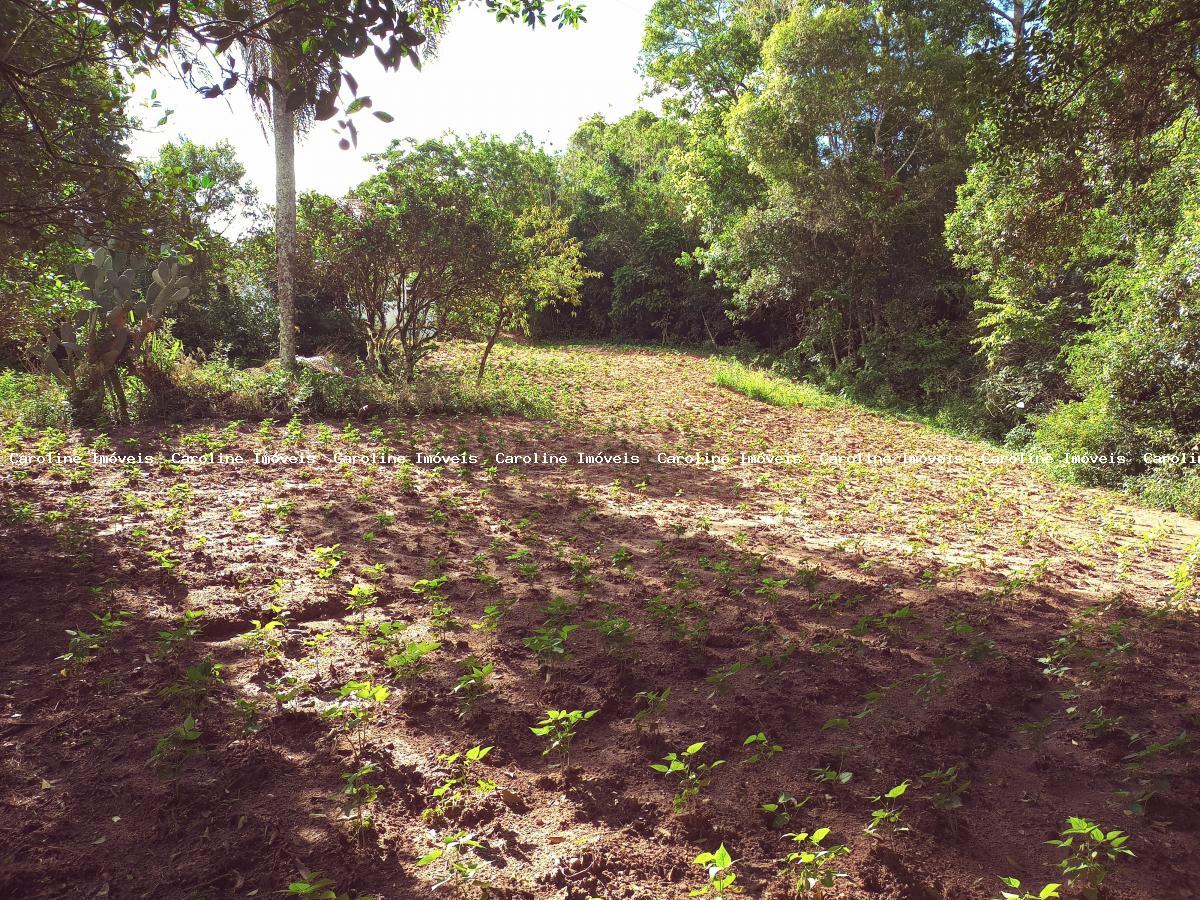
(86, 354)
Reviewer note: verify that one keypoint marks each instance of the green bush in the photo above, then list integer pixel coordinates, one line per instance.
(1090, 428)
(34, 400)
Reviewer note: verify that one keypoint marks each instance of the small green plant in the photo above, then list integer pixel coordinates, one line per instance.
(186, 630)
(811, 867)
(760, 748)
(430, 588)
(164, 558)
(718, 866)
(410, 663)
(780, 810)
(558, 728)
(693, 776)
(362, 597)
(443, 619)
(192, 689)
(357, 703)
(83, 645)
(770, 589)
(359, 797)
(473, 683)
(492, 614)
(549, 642)
(720, 678)
(265, 638)
(831, 775)
(948, 787)
(889, 812)
(328, 559)
(454, 855)
(313, 886)
(451, 796)
(1049, 892)
(175, 747)
(1090, 852)
(616, 631)
(653, 703)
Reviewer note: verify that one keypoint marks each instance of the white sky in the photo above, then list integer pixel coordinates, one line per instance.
(487, 77)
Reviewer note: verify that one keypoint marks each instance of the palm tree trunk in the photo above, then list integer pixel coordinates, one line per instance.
(283, 127)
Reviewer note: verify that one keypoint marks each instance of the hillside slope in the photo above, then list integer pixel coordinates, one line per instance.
(1018, 651)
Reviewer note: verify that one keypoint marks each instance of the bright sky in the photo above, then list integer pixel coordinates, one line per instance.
(487, 77)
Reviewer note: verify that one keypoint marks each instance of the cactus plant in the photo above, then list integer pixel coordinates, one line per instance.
(86, 354)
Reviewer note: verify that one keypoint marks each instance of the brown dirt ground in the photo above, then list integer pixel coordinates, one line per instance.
(997, 567)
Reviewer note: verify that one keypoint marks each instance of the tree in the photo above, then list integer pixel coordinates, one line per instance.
(198, 194)
(542, 269)
(856, 129)
(629, 214)
(541, 265)
(408, 251)
(293, 57)
(1077, 219)
(698, 52)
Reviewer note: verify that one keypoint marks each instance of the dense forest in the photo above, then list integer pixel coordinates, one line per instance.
(787, 489)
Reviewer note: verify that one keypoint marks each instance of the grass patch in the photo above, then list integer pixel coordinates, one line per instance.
(767, 388)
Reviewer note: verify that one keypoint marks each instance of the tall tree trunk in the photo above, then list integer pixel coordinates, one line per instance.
(487, 350)
(283, 128)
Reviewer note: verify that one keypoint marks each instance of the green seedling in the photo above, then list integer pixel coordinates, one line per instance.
(720, 678)
(616, 631)
(558, 610)
(550, 643)
(83, 645)
(473, 683)
(164, 558)
(780, 810)
(357, 703)
(1090, 852)
(948, 787)
(460, 866)
(442, 619)
(492, 614)
(760, 748)
(362, 597)
(359, 797)
(191, 690)
(718, 866)
(430, 588)
(889, 813)
(186, 630)
(1049, 892)
(410, 663)
(175, 747)
(830, 775)
(313, 886)
(453, 794)
(558, 728)
(811, 867)
(265, 638)
(328, 560)
(375, 571)
(250, 716)
(771, 589)
(653, 704)
(693, 776)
